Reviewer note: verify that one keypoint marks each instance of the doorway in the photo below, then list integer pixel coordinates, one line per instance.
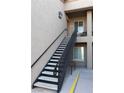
(78, 25)
(80, 54)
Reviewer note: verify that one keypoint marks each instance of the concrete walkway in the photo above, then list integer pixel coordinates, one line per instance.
(84, 84)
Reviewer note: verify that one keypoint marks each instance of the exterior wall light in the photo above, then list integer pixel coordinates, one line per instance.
(60, 15)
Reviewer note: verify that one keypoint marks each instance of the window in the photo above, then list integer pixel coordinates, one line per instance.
(78, 54)
(80, 27)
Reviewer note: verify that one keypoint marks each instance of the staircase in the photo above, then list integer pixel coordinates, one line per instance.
(52, 75)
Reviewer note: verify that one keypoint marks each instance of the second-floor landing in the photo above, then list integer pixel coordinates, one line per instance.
(83, 22)
(74, 5)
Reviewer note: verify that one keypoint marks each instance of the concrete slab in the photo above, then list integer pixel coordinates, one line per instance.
(84, 84)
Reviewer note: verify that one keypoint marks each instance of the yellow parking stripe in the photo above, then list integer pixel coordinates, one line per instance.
(74, 84)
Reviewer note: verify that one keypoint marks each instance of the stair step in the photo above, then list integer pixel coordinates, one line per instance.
(57, 54)
(64, 43)
(48, 78)
(47, 67)
(50, 70)
(46, 85)
(59, 51)
(56, 60)
(49, 73)
(61, 47)
(52, 64)
(56, 57)
(45, 81)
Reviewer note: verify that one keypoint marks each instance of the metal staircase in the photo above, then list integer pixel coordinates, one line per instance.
(53, 73)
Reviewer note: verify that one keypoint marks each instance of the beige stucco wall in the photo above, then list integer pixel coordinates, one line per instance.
(77, 4)
(45, 24)
(37, 68)
(87, 22)
(45, 28)
(88, 39)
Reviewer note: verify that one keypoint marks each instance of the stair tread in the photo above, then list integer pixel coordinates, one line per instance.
(49, 73)
(53, 79)
(57, 54)
(50, 70)
(63, 45)
(54, 60)
(52, 64)
(50, 82)
(48, 67)
(60, 49)
(46, 85)
(56, 57)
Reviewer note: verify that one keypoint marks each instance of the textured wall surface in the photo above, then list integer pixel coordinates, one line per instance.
(45, 28)
(46, 25)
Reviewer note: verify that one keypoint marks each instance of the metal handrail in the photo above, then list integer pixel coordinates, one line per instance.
(48, 47)
(44, 67)
(63, 63)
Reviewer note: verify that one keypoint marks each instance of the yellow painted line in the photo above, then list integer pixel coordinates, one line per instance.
(72, 89)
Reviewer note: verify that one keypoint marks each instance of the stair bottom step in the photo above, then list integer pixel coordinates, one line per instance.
(46, 85)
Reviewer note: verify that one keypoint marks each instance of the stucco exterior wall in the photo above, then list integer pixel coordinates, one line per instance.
(45, 28)
(71, 5)
(36, 69)
(45, 24)
(87, 22)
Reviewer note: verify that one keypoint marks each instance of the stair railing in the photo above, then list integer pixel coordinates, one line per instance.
(63, 63)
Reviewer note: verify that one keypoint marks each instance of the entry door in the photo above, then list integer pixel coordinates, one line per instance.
(79, 27)
(79, 55)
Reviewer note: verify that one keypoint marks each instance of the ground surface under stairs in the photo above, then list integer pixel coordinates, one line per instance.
(84, 85)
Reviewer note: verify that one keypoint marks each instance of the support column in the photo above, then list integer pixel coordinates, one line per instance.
(89, 42)
(89, 23)
(89, 55)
